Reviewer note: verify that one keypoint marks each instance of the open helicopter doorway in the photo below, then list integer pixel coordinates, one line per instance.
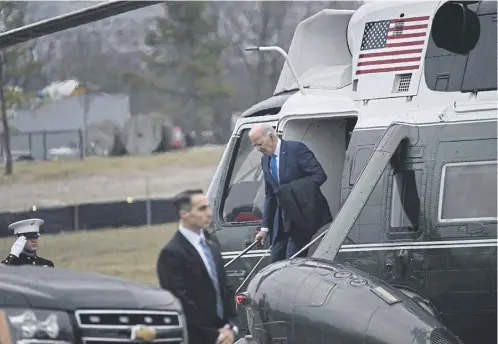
(328, 138)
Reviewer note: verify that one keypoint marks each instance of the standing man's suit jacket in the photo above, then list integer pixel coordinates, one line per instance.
(296, 161)
(180, 269)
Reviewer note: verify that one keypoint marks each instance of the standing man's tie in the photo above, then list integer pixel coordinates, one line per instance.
(214, 275)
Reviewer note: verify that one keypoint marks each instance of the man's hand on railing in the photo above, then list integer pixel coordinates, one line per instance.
(261, 236)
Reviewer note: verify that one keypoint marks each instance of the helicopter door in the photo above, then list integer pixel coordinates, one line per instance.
(238, 211)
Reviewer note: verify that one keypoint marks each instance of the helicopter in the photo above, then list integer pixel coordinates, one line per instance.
(397, 101)
(407, 257)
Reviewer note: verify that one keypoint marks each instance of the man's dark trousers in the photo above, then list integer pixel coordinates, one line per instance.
(284, 247)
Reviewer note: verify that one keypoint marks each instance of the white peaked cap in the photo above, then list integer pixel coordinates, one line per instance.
(26, 226)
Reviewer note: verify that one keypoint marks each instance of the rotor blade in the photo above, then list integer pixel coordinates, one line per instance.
(70, 20)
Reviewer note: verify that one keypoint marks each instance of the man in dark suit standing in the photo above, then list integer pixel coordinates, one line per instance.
(191, 267)
(283, 162)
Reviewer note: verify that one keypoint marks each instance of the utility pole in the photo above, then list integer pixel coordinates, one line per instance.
(5, 122)
(89, 91)
(86, 108)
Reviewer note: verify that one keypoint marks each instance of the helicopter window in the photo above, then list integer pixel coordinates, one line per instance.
(394, 206)
(371, 220)
(468, 192)
(480, 73)
(360, 159)
(405, 201)
(461, 52)
(212, 192)
(244, 199)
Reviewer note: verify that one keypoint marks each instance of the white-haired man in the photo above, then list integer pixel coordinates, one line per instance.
(285, 162)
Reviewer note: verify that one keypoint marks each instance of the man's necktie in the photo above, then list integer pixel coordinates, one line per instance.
(214, 276)
(274, 170)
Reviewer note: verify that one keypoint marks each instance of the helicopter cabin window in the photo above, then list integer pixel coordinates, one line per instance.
(461, 52)
(360, 159)
(468, 192)
(405, 201)
(244, 197)
(394, 207)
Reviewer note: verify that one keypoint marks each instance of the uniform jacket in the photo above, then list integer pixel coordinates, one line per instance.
(24, 259)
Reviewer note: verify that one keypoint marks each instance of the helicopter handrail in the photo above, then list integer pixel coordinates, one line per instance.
(241, 254)
(309, 244)
(255, 266)
(253, 269)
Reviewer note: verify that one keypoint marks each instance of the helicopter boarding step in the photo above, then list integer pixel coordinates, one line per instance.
(246, 340)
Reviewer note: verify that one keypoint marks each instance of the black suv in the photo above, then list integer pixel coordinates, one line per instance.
(60, 306)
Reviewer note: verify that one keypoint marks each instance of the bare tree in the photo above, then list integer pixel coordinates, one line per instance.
(17, 66)
(263, 23)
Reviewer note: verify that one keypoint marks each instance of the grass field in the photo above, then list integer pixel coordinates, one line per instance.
(48, 170)
(129, 252)
(104, 179)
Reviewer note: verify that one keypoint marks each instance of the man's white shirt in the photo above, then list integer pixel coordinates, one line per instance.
(195, 240)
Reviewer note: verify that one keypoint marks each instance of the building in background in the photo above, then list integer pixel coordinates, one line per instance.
(62, 120)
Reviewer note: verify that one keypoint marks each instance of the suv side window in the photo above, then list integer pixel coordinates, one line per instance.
(244, 196)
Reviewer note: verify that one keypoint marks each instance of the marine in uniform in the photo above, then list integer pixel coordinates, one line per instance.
(24, 250)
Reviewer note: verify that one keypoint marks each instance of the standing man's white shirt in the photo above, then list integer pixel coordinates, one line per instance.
(195, 240)
(277, 158)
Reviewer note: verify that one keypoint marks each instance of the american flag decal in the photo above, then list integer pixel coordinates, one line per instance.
(392, 45)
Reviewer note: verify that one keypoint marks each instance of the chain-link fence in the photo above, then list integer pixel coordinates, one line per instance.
(92, 201)
(95, 216)
(44, 145)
